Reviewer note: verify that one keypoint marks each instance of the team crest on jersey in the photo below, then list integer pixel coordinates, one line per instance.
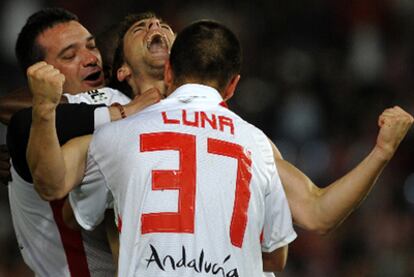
(97, 96)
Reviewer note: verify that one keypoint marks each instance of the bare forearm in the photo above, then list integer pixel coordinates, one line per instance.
(321, 210)
(339, 199)
(343, 196)
(44, 154)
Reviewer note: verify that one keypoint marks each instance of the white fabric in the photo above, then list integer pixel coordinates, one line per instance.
(80, 198)
(37, 233)
(102, 116)
(105, 96)
(127, 171)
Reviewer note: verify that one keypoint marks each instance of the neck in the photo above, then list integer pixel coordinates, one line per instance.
(142, 83)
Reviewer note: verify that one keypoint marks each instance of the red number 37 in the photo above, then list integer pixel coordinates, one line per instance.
(184, 180)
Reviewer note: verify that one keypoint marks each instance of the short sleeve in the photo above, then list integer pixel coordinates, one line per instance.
(278, 229)
(90, 200)
(102, 117)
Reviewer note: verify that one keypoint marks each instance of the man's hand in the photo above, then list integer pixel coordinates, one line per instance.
(140, 102)
(145, 99)
(5, 175)
(45, 83)
(394, 124)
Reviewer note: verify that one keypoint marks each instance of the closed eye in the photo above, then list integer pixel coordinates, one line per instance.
(165, 26)
(68, 58)
(136, 29)
(69, 55)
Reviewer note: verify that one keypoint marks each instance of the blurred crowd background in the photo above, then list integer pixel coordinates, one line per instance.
(316, 75)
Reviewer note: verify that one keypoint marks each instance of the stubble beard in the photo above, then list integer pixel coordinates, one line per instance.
(156, 73)
(154, 70)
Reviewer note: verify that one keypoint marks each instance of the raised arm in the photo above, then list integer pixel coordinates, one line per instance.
(322, 209)
(61, 175)
(56, 172)
(44, 155)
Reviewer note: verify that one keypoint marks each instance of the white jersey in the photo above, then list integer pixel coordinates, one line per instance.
(105, 96)
(194, 187)
(48, 247)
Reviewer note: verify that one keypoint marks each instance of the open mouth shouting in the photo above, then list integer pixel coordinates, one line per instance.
(157, 44)
(94, 79)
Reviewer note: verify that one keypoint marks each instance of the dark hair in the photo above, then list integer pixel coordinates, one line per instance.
(206, 52)
(28, 51)
(107, 41)
(119, 58)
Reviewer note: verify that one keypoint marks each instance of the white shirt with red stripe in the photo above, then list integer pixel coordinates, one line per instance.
(48, 247)
(194, 185)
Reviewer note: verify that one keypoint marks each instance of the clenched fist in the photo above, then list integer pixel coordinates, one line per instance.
(45, 83)
(394, 124)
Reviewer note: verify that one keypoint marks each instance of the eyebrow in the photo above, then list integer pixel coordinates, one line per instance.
(73, 45)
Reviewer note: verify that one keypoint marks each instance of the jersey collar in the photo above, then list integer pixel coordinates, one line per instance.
(188, 92)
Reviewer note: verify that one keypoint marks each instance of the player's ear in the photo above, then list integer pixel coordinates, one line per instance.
(168, 74)
(123, 73)
(231, 87)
